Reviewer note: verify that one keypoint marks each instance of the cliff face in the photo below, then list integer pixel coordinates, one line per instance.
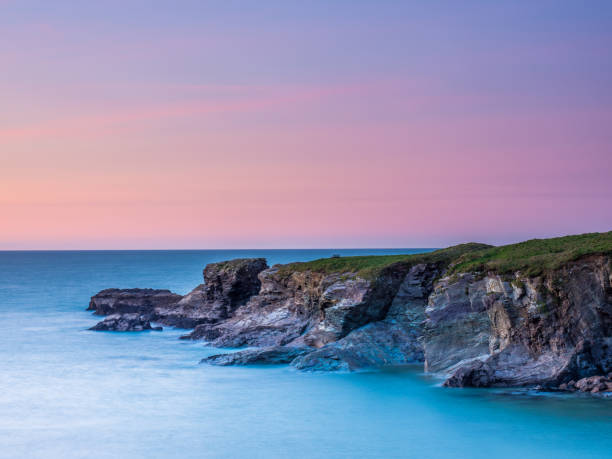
(227, 286)
(515, 330)
(392, 340)
(329, 321)
(305, 309)
(474, 328)
(315, 320)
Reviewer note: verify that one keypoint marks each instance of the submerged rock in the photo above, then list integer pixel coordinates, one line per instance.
(125, 323)
(267, 355)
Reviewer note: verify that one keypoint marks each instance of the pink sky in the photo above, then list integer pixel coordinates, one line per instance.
(248, 132)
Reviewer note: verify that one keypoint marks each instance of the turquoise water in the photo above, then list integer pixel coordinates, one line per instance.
(69, 393)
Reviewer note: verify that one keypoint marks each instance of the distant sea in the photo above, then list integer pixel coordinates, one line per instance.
(66, 392)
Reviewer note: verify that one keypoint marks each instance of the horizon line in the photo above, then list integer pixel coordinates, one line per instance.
(236, 249)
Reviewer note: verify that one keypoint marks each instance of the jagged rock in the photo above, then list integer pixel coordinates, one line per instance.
(284, 308)
(133, 300)
(125, 323)
(312, 308)
(374, 345)
(188, 312)
(267, 355)
(543, 330)
(227, 286)
(392, 341)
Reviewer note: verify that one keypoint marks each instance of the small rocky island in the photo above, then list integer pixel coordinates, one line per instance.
(537, 313)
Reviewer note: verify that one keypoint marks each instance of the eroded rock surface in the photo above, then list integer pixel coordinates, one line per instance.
(268, 355)
(394, 340)
(125, 323)
(518, 331)
(133, 300)
(473, 329)
(228, 285)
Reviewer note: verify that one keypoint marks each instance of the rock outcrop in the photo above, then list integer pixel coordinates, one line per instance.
(592, 384)
(133, 300)
(519, 331)
(394, 340)
(228, 285)
(125, 323)
(345, 322)
(455, 310)
(264, 356)
(302, 305)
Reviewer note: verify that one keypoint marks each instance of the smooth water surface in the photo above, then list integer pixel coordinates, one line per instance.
(66, 392)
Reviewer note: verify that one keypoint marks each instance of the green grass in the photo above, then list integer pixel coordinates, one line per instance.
(535, 256)
(232, 264)
(368, 267)
(530, 257)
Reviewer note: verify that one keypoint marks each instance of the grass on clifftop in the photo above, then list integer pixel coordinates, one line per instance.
(530, 257)
(368, 266)
(536, 255)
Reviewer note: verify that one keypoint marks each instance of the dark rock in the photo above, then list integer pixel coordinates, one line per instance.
(125, 323)
(133, 300)
(283, 310)
(230, 284)
(474, 374)
(188, 312)
(227, 286)
(269, 355)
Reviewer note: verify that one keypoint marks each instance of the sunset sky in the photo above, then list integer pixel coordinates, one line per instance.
(264, 124)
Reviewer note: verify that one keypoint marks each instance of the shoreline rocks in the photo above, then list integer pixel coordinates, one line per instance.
(263, 356)
(133, 300)
(131, 322)
(472, 329)
(228, 285)
(592, 384)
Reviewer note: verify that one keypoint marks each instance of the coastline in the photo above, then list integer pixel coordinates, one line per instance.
(534, 314)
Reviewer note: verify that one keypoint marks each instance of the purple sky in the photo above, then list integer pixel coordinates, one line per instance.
(195, 124)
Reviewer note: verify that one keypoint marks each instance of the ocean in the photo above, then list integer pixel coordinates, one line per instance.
(66, 392)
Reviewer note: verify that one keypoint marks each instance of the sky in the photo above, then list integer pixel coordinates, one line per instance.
(289, 124)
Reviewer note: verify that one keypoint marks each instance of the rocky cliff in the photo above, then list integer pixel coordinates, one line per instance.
(514, 330)
(531, 314)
